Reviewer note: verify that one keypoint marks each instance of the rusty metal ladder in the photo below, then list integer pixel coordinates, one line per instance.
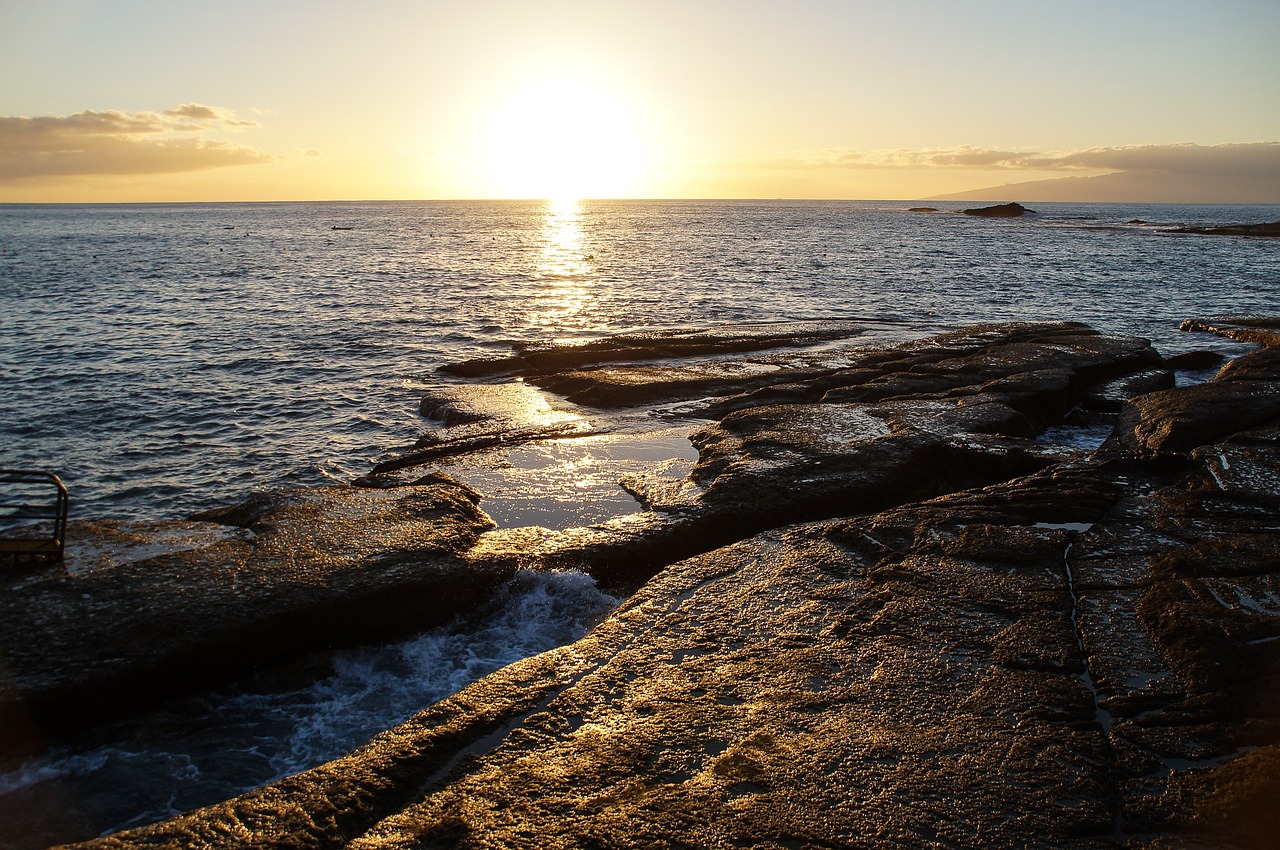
(33, 515)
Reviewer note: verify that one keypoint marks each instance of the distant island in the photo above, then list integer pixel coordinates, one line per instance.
(1129, 187)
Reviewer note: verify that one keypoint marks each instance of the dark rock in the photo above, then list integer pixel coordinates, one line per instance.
(630, 387)
(922, 209)
(1261, 365)
(1181, 419)
(965, 639)
(1244, 394)
(1260, 329)
(946, 364)
(999, 211)
(903, 424)
(1039, 369)
(1195, 361)
(1269, 229)
(893, 424)
(1234, 802)
(1085, 657)
(146, 611)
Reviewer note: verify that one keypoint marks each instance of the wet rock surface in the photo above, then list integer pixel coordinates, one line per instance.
(144, 611)
(876, 613)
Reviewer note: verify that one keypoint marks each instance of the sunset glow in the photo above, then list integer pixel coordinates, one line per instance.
(564, 268)
(662, 99)
(561, 139)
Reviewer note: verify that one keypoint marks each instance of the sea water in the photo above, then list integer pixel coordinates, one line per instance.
(169, 358)
(199, 751)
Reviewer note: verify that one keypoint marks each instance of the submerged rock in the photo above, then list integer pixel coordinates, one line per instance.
(544, 358)
(1270, 228)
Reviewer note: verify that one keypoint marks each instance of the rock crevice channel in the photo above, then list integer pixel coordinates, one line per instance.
(881, 609)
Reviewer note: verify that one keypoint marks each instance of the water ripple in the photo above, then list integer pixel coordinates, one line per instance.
(198, 351)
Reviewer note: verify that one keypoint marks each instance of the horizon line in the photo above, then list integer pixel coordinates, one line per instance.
(755, 199)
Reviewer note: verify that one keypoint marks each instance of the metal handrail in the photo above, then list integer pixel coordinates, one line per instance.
(34, 541)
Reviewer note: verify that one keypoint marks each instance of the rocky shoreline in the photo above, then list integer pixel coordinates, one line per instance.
(877, 612)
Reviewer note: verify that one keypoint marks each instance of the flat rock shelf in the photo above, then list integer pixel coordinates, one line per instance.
(878, 610)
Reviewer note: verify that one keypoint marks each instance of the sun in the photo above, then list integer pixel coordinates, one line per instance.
(563, 138)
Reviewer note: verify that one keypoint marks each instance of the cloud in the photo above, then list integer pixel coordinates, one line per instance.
(210, 116)
(195, 110)
(1261, 159)
(115, 142)
(1255, 159)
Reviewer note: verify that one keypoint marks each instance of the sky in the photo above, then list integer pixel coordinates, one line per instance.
(171, 100)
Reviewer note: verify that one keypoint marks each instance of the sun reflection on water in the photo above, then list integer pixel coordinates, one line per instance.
(564, 266)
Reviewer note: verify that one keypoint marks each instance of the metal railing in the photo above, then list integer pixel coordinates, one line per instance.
(33, 515)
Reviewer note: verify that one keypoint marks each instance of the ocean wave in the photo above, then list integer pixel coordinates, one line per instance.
(204, 750)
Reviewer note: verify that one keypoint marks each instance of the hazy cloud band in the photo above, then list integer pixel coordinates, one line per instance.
(1260, 159)
(115, 142)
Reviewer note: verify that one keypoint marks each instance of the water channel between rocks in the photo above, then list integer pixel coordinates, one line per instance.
(203, 750)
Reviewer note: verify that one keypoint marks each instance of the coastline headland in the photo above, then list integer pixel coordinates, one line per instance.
(880, 610)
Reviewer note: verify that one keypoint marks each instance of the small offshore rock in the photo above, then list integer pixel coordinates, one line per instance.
(1012, 210)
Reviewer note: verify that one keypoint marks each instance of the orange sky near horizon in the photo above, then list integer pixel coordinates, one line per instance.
(142, 100)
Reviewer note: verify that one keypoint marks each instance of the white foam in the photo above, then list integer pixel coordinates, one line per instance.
(374, 689)
(1086, 437)
(271, 735)
(1065, 526)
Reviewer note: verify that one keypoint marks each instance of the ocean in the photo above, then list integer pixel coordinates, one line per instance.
(164, 359)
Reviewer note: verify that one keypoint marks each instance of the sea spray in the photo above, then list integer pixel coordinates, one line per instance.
(203, 750)
(373, 689)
